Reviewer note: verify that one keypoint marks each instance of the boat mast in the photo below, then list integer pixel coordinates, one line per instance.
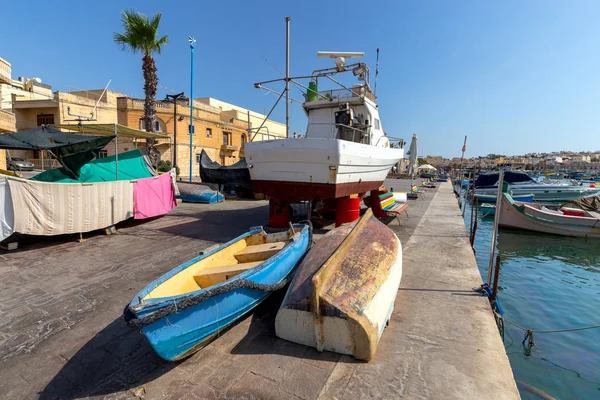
(287, 76)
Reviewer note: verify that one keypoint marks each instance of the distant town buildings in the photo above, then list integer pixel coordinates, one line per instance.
(220, 128)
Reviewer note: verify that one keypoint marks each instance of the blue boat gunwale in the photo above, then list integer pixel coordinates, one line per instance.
(136, 307)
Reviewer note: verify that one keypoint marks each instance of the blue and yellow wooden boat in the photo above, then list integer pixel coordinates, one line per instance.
(184, 309)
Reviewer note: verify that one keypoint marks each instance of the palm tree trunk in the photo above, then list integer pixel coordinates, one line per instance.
(150, 84)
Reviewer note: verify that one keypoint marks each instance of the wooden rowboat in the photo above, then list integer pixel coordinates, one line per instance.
(548, 218)
(343, 293)
(184, 309)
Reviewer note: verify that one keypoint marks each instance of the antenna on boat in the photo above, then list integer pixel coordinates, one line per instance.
(376, 71)
(340, 57)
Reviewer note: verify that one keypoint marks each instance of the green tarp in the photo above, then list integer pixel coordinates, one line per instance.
(132, 165)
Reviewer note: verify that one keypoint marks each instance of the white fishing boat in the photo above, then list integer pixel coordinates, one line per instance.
(345, 150)
(521, 184)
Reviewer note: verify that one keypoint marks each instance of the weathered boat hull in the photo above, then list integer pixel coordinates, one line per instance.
(236, 176)
(181, 333)
(343, 293)
(518, 216)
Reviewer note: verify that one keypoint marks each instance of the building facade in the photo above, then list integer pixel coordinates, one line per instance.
(220, 133)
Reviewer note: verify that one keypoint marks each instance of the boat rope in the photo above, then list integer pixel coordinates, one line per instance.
(188, 302)
(529, 332)
(191, 301)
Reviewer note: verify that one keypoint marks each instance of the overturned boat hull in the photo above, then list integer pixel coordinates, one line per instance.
(343, 293)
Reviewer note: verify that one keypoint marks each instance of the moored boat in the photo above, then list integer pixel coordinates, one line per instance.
(484, 198)
(519, 183)
(487, 209)
(343, 293)
(548, 218)
(184, 309)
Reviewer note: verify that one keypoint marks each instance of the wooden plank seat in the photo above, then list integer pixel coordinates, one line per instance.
(390, 206)
(212, 276)
(259, 252)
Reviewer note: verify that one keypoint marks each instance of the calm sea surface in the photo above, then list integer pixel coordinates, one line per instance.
(548, 282)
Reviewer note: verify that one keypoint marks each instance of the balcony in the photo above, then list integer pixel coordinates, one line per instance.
(5, 72)
(229, 148)
(8, 122)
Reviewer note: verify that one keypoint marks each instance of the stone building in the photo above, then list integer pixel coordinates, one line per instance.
(220, 131)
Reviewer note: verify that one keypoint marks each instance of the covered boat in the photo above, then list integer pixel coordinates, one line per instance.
(343, 293)
(235, 176)
(549, 218)
(184, 309)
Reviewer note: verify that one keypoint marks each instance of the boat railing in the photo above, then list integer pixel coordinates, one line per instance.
(344, 93)
(269, 135)
(328, 130)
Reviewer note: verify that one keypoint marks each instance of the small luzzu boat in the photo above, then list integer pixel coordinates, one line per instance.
(487, 209)
(180, 312)
(343, 293)
(549, 218)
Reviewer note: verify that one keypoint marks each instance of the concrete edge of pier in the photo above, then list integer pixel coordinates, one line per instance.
(443, 341)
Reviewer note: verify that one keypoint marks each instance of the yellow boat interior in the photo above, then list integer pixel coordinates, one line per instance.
(239, 256)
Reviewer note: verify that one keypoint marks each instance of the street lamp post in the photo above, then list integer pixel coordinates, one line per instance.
(192, 46)
(174, 98)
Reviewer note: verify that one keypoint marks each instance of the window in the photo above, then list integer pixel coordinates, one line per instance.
(208, 132)
(45, 119)
(198, 158)
(227, 138)
(244, 140)
(102, 154)
(156, 125)
(377, 125)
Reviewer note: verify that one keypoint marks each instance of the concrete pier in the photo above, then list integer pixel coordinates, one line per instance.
(62, 335)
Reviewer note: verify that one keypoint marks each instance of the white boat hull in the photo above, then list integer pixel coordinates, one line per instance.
(544, 192)
(529, 218)
(315, 168)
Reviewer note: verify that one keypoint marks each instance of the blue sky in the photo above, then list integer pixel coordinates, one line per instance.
(515, 76)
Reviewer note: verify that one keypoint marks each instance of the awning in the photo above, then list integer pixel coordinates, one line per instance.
(111, 129)
(72, 151)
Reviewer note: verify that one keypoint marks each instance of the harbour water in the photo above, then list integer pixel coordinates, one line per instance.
(547, 283)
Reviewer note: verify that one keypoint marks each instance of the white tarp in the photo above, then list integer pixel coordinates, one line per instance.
(7, 219)
(43, 208)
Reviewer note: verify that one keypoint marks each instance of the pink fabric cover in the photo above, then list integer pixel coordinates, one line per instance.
(153, 196)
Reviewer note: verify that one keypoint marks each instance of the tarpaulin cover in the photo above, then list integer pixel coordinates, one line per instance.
(491, 179)
(132, 165)
(42, 208)
(71, 150)
(586, 203)
(237, 175)
(153, 196)
(7, 219)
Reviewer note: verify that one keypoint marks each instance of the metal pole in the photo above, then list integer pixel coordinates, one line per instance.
(174, 156)
(192, 46)
(496, 278)
(116, 153)
(495, 231)
(42, 153)
(287, 77)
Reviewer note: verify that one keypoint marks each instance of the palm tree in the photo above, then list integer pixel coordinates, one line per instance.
(141, 35)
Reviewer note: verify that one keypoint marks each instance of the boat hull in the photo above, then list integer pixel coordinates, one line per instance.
(343, 294)
(313, 168)
(198, 193)
(541, 193)
(527, 198)
(185, 331)
(519, 216)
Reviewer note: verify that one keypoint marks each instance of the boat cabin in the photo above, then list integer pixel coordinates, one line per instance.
(346, 114)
